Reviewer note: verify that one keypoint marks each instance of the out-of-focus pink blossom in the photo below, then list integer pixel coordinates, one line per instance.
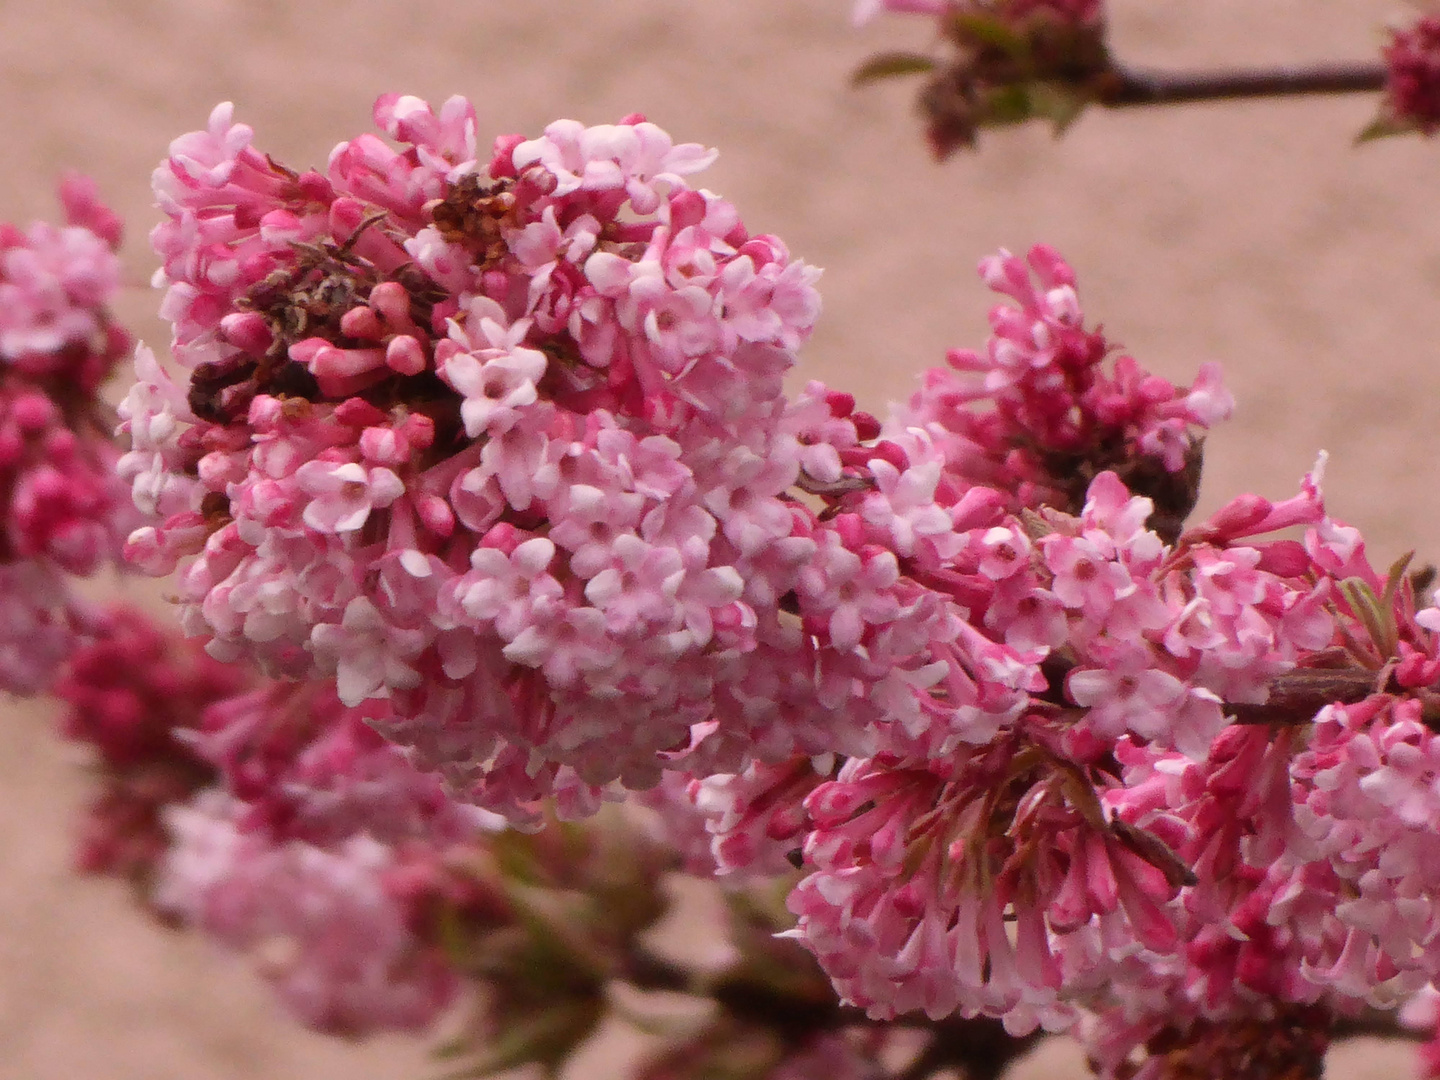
(1412, 84)
(62, 507)
(134, 693)
(318, 921)
(310, 853)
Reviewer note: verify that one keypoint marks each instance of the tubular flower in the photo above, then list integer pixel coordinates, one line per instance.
(1037, 414)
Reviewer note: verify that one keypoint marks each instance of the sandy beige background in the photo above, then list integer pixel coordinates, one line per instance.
(1250, 234)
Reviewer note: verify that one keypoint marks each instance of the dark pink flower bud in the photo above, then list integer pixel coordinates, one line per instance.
(1412, 85)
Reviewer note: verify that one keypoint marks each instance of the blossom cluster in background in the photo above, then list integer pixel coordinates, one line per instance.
(1000, 62)
(322, 851)
(275, 820)
(136, 694)
(63, 512)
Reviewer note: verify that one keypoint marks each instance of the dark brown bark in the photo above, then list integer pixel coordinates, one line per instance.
(1131, 87)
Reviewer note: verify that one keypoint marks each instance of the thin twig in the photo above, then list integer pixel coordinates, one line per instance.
(931, 1060)
(981, 1047)
(1131, 87)
(646, 970)
(1377, 1024)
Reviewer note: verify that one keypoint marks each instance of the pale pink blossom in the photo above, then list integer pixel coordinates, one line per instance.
(368, 655)
(319, 923)
(344, 494)
(632, 157)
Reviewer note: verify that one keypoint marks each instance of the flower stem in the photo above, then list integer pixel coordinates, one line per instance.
(980, 1047)
(1131, 87)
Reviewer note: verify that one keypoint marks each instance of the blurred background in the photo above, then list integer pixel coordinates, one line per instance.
(1255, 235)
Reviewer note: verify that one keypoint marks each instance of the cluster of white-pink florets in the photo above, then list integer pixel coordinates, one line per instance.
(135, 694)
(1115, 639)
(62, 512)
(1044, 408)
(502, 441)
(1311, 841)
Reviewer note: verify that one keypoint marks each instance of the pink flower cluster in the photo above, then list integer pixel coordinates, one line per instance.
(320, 923)
(1311, 839)
(133, 692)
(1120, 851)
(1113, 849)
(323, 854)
(1045, 407)
(1007, 874)
(472, 439)
(275, 820)
(1412, 85)
(61, 509)
(923, 568)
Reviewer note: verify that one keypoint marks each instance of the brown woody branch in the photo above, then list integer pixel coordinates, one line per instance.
(1126, 87)
(981, 1048)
